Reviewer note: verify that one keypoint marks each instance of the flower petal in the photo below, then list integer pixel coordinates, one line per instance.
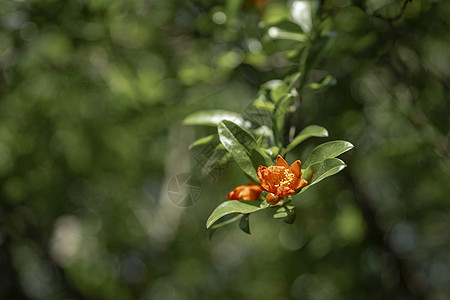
(300, 183)
(281, 162)
(296, 168)
(284, 191)
(262, 178)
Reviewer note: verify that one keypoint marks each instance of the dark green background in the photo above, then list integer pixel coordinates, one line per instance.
(93, 94)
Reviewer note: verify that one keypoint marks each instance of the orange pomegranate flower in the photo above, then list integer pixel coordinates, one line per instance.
(281, 180)
(249, 191)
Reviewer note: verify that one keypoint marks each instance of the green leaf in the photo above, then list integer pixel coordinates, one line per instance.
(278, 119)
(244, 224)
(210, 139)
(325, 82)
(321, 170)
(225, 220)
(232, 8)
(218, 160)
(284, 89)
(327, 150)
(286, 213)
(306, 133)
(280, 34)
(262, 103)
(315, 53)
(303, 12)
(243, 147)
(233, 206)
(213, 118)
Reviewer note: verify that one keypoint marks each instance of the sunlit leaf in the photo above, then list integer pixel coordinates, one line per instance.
(233, 206)
(306, 133)
(321, 170)
(213, 117)
(303, 12)
(244, 224)
(243, 147)
(284, 88)
(280, 34)
(327, 150)
(210, 139)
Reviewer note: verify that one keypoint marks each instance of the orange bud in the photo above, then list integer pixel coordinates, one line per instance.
(250, 191)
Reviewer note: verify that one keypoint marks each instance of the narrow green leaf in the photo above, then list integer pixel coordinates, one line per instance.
(284, 89)
(325, 82)
(278, 118)
(306, 133)
(263, 105)
(210, 139)
(271, 84)
(260, 140)
(321, 170)
(327, 150)
(315, 53)
(233, 206)
(244, 224)
(280, 34)
(213, 117)
(243, 147)
(286, 214)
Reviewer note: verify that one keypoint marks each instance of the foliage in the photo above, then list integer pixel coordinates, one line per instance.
(279, 100)
(92, 98)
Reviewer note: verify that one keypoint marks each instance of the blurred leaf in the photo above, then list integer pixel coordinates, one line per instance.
(244, 224)
(233, 7)
(321, 170)
(284, 88)
(327, 150)
(325, 82)
(210, 139)
(213, 117)
(295, 54)
(278, 118)
(282, 97)
(275, 13)
(260, 140)
(218, 160)
(286, 213)
(315, 53)
(243, 147)
(303, 12)
(271, 84)
(233, 206)
(280, 34)
(306, 133)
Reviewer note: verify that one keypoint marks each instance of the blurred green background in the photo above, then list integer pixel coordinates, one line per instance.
(93, 93)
